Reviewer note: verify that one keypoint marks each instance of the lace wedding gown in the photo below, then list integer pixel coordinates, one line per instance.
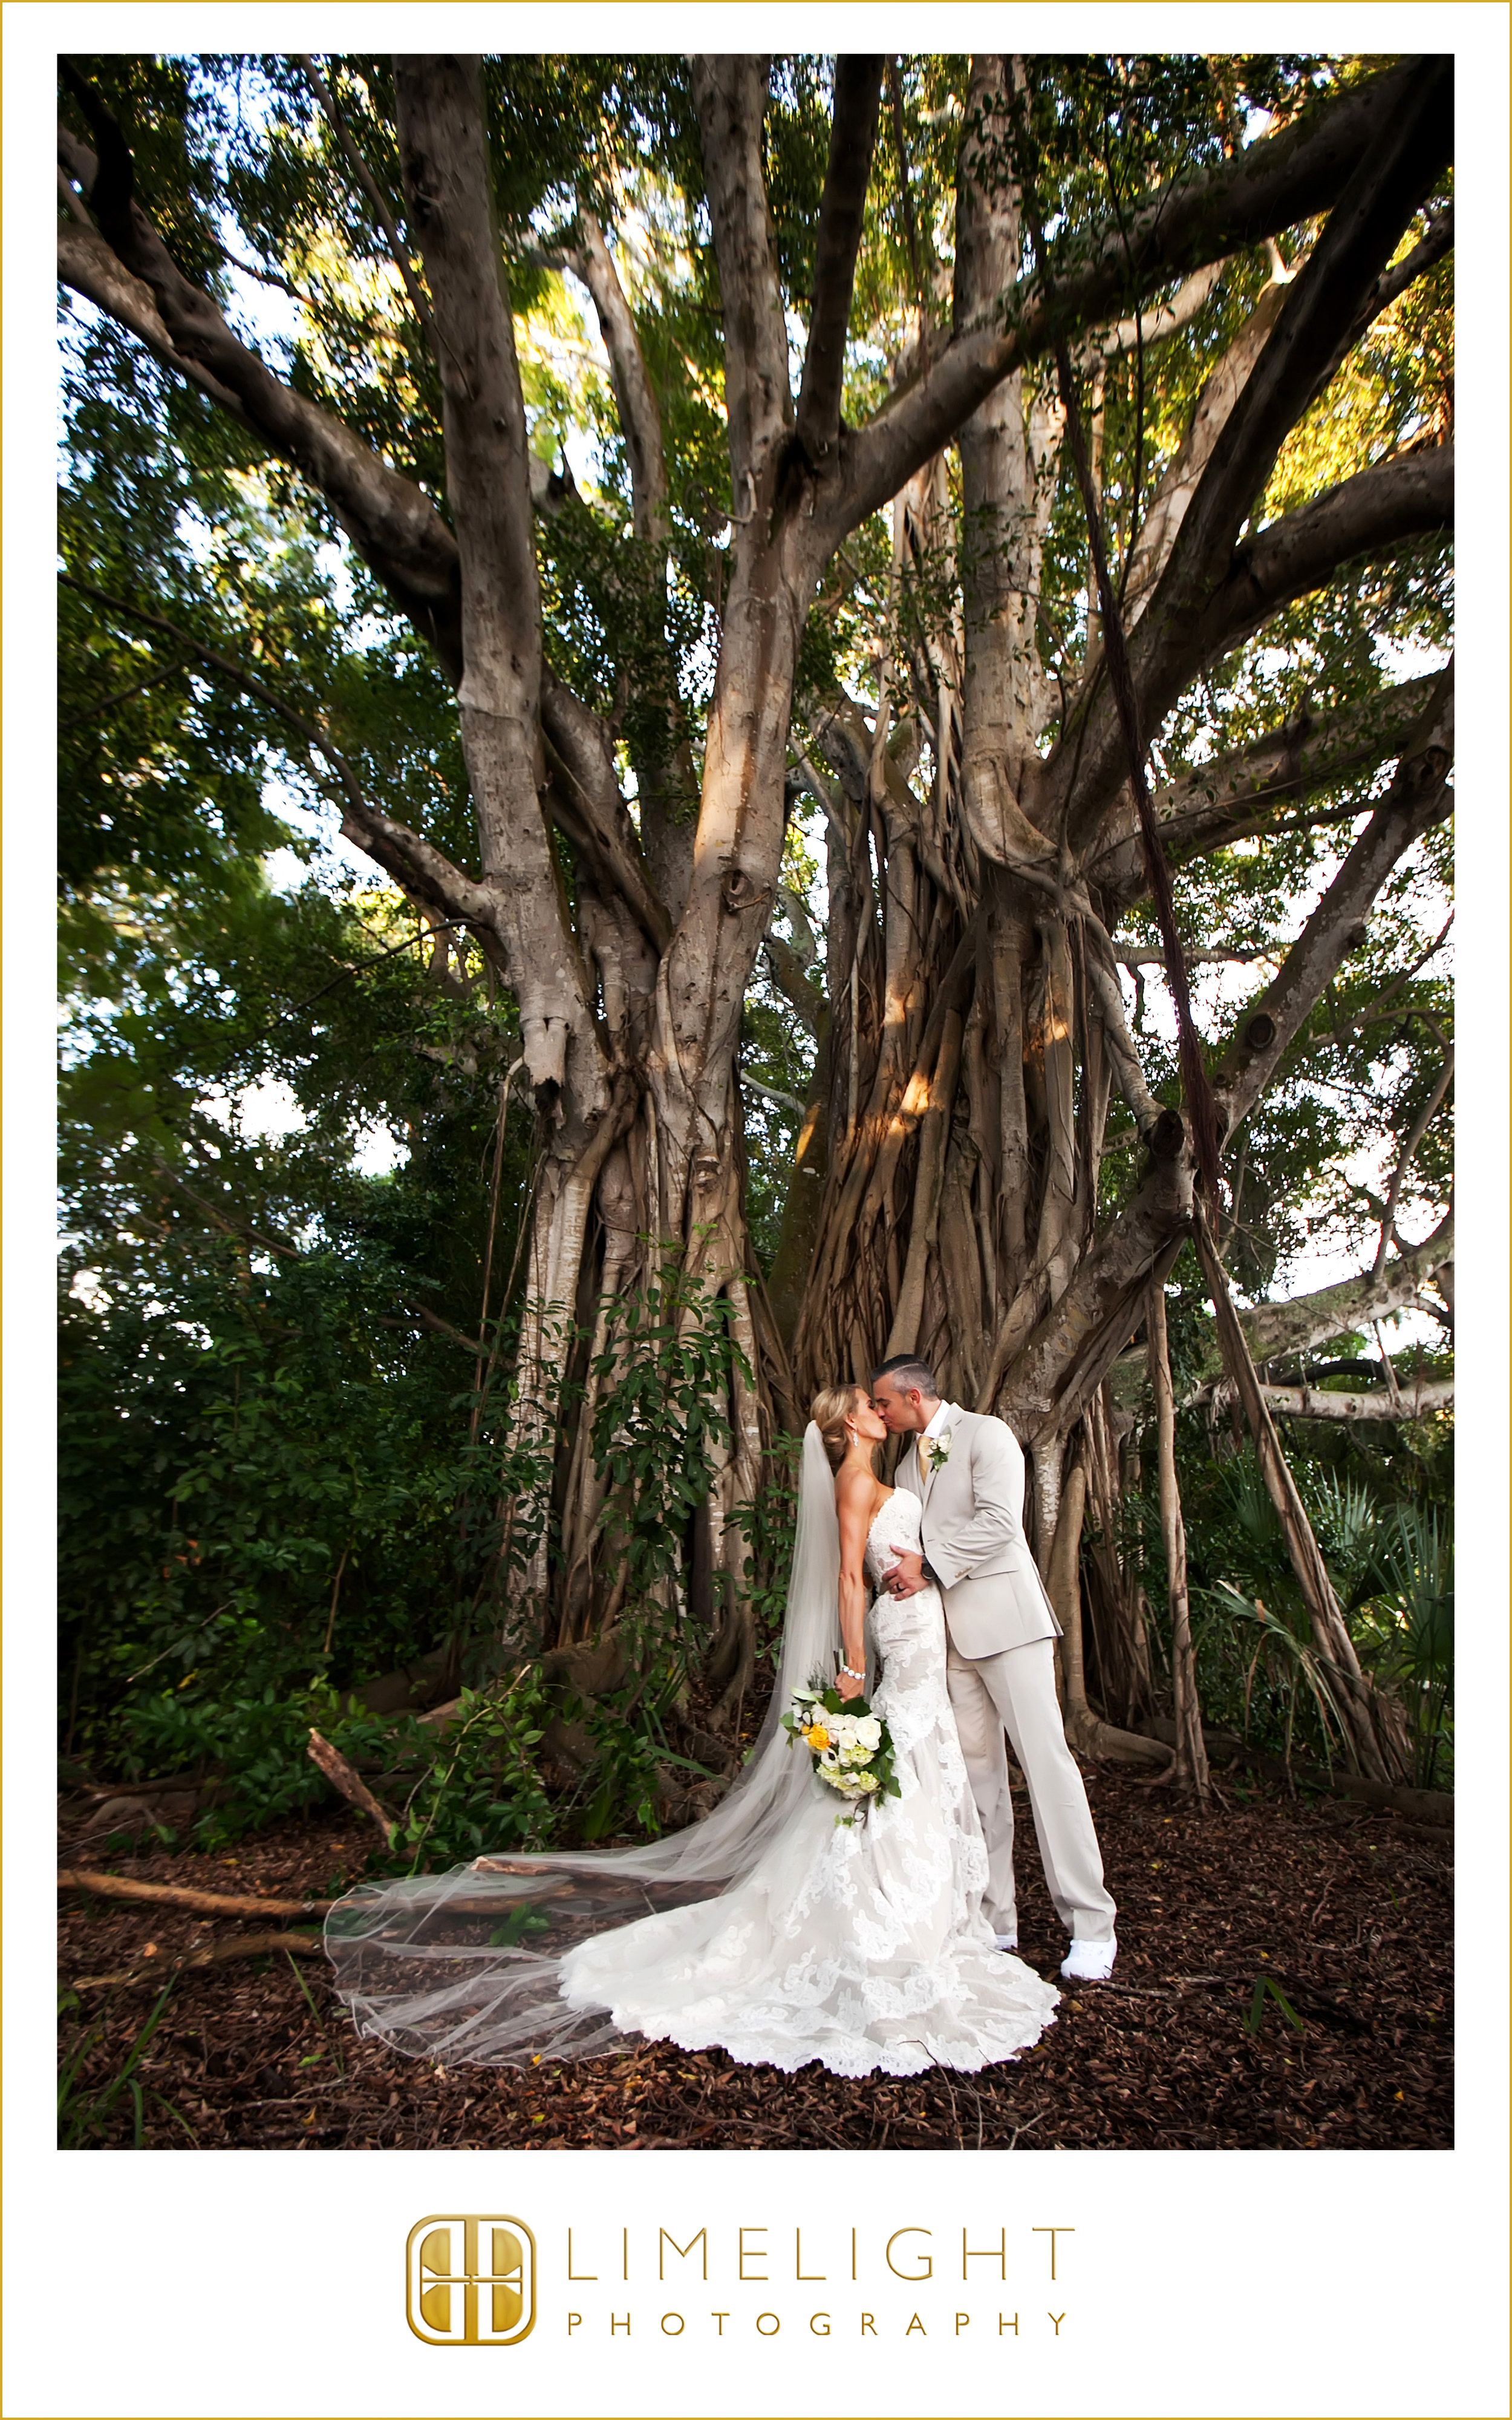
(777, 1934)
(861, 1946)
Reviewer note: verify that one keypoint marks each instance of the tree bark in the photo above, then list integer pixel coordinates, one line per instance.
(443, 151)
(1115, 1600)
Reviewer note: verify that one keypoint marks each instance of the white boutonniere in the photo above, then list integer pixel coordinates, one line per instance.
(939, 1450)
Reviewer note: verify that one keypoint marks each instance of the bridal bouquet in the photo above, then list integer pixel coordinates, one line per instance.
(851, 1746)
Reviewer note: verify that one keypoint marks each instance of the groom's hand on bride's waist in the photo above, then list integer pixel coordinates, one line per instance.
(906, 1576)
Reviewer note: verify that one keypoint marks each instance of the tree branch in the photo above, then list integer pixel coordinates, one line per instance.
(1411, 496)
(1270, 186)
(1436, 243)
(1173, 496)
(420, 568)
(395, 526)
(409, 859)
(1212, 804)
(1134, 959)
(1052, 1378)
(1321, 1403)
(87, 263)
(665, 773)
(729, 96)
(1281, 1331)
(634, 395)
(1128, 1074)
(1378, 1009)
(175, 1895)
(399, 250)
(1196, 1091)
(1408, 1152)
(448, 184)
(1419, 798)
(852, 139)
(1320, 315)
(584, 776)
(786, 969)
(1168, 320)
(787, 1101)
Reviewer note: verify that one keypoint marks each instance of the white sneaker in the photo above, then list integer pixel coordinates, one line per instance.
(1004, 1941)
(1090, 1961)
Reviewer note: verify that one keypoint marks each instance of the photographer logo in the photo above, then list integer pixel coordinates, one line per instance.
(470, 2280)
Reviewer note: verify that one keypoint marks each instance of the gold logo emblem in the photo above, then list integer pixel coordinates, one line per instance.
(470, 2281)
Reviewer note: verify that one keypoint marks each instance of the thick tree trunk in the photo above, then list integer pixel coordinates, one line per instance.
(631, 1214)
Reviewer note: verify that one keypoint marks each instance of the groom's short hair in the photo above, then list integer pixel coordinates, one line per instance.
(909, 1370)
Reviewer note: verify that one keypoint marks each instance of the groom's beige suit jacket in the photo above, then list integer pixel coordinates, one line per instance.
(973, 1532)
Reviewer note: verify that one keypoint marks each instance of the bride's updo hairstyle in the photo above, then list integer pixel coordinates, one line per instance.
(829, 1411)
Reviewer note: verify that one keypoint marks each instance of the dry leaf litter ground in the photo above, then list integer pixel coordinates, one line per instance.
(1347, 1911)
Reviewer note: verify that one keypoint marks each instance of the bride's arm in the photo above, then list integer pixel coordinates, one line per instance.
(853, 1497)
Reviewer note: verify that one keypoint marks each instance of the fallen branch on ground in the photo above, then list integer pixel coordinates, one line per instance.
(201, 1902)
(252, 1945)
(351, 1786)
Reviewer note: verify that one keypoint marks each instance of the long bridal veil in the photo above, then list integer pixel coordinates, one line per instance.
(432, 1962)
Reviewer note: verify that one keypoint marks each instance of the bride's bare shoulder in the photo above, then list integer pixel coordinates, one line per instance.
(853, 1487)
(859, 1497)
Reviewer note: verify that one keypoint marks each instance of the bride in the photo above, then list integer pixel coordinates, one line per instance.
(770, 1930)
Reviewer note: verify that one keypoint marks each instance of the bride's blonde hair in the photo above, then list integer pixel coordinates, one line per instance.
(829, 1411)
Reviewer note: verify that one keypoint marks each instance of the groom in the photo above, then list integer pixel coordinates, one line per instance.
(969, 1470)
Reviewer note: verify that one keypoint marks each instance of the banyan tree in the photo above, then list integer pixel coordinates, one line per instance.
(1030, 479)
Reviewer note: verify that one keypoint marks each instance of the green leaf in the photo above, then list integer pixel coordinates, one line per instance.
(509, 1934)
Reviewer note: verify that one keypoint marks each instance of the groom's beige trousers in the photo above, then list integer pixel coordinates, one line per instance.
(1016, 1690)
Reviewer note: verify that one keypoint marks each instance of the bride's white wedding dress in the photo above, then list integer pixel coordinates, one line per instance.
(863, 1945)
(774, 1931)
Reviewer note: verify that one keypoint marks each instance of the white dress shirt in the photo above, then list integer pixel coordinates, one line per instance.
(928, 1434)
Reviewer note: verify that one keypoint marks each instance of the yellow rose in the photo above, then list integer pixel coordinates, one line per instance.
(818, 1738)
